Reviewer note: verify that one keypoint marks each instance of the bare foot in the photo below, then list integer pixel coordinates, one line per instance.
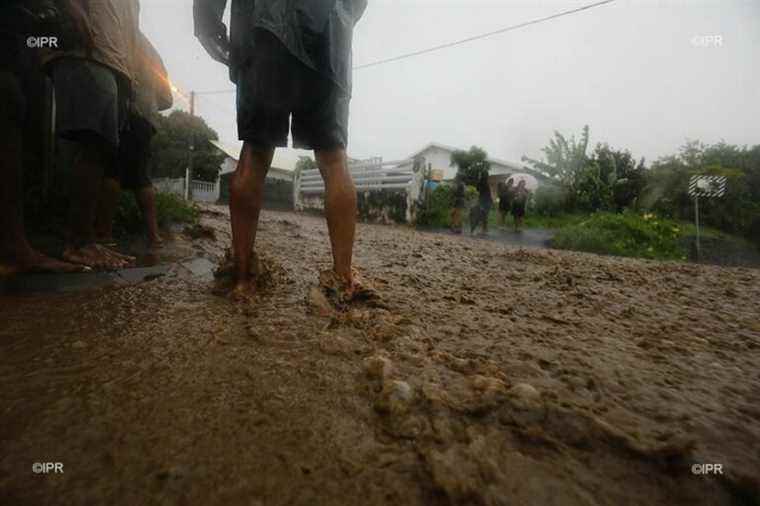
(343, 291)
(244, 291)
(36, 262)
(97, 257)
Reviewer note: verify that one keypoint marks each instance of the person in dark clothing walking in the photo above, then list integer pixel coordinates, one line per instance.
(519, 203)
(485, 202)
(288, 58)
(506, 191)
(458, 205)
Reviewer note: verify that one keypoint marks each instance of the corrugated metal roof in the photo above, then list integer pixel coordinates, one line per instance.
(285, 159)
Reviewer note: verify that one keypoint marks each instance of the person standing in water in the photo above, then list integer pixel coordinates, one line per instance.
(485, 202)
(505, 200)
(458, 205)
(288, 59)
(519, 203)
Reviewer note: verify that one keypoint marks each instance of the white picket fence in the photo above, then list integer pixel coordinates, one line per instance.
(170, 185)
(203, 191)
(200, 191)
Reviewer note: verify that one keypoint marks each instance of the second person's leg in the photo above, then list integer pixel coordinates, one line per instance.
(246, 197)
(340, 209)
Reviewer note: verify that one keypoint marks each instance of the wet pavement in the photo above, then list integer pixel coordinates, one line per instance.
(528, 237)
(494, 375)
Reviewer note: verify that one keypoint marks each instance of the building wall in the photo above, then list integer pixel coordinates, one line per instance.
(439, 158)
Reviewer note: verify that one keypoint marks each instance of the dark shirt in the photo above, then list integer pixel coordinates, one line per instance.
(484, 194)
(520, 197)
(317, 32)
(459, 195)
(505, 196)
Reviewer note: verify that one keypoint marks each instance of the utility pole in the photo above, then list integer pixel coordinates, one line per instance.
(189, 169)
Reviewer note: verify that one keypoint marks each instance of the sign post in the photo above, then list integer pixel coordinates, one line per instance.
(707, 187)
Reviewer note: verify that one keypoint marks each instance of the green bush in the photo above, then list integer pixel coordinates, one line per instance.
(548, 200)
(169, 207)
(436, 212)
(625, 234)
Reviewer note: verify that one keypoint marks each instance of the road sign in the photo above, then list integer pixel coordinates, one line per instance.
(707, 186)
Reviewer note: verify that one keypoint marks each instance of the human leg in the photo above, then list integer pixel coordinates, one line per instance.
(340, 209)
(246, 196)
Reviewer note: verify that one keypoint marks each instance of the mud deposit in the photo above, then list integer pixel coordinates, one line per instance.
(494, 375)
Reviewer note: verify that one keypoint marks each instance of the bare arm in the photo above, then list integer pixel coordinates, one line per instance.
(211, 32)
(359, 6)
(207, 16)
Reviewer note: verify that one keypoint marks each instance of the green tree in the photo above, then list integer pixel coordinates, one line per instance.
(565, 158)
(608, 179)
(304, 163)
(737, 212)
(624, 178)
(471, 164)
(171, 147)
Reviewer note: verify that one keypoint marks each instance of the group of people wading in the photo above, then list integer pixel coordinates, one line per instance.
(513, 200)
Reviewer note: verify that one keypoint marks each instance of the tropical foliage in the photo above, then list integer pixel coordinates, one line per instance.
(171, 147)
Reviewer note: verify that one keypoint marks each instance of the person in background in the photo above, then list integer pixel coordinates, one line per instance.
(288, 58)
(93, 85)
(519, 203)
(458, 205)
(485, 202)
(152, 94)
(17, 19)
(505, 200)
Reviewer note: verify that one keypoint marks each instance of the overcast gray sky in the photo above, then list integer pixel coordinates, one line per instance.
(630, 69)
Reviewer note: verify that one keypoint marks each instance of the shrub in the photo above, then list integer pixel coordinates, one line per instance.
(626, 234)
(548, 200)
(436, 212)
(169, 207)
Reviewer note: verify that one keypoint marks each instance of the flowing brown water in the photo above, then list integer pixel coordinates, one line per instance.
(496, 375)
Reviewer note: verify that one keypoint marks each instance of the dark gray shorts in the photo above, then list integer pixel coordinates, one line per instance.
(133, 163)
(275, 85)
(90, 101)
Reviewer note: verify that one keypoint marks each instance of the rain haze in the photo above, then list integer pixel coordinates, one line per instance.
(644, 76)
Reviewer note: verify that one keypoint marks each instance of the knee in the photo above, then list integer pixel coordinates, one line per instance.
(331, 162)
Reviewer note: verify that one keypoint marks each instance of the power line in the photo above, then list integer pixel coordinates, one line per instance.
(482, 36)
(461, 41)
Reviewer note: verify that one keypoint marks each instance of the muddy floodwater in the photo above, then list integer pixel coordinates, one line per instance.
(489, 375)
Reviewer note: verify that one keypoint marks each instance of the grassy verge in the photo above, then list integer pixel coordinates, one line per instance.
(630, 235)
(170, 208)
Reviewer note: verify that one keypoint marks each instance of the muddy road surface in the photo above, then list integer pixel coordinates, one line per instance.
(493, 375)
